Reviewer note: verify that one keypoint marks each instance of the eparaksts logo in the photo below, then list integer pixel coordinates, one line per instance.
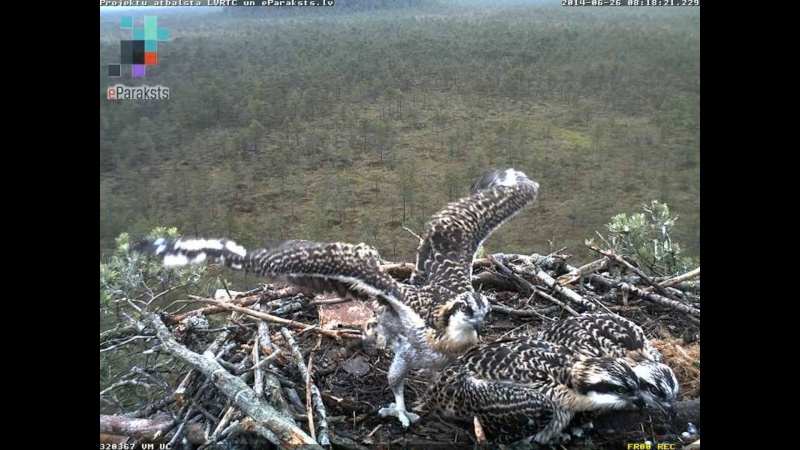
(121, 92)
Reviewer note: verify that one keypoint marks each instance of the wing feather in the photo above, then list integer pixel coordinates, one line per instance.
(320, 267)
(445, 255)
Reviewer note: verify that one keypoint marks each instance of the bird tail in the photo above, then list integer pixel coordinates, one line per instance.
(184, 252)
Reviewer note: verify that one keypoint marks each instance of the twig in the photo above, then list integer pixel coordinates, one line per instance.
(244, 301)
(677, 280)
(413, 234)
(580, 272)
(258, 383)
(480, 436)
(573, 296)
(287, 433)
(181, 390)
(181, 426)
(375, 430)
(122, 383)
(558, 302)
(309, 409)
(334, 334)
(226, 418)
(634, 269)
(151, 408)
(272, 386)
(126, 341)
(312, 391)
(524, 286)
(640, 293)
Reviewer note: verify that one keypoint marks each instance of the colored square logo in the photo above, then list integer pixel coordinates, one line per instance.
(141, 49)
(137, 70)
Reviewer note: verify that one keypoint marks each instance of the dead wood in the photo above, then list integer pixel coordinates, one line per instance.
(338, 335)
(244, 301)
(286, 432)
(576, 274)
(677, 280)
(147, 430)
(640, 293)
(246, 347)
(312, 392)
(632, 268)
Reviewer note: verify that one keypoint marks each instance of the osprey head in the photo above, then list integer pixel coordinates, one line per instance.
(607, 383)
(659, 385)
(464, 316)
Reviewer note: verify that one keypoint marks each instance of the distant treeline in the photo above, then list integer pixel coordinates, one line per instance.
(352, 127)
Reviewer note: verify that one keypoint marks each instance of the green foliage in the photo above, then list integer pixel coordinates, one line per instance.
(130, 275)
(646, 239)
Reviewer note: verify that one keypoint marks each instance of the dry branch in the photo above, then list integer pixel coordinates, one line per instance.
(244, 301)
(632, 268)
(312, 392)
(148, 430)
(242, 395)
(677, 280)
(258, 382)
(640, 293)
(571, 295)
(580, 272)
(337, 335)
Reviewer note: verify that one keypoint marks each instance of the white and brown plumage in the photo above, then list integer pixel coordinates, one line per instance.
(428, 323)
(523, 389)
(605, 334)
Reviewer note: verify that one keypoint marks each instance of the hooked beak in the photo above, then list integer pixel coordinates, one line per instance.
(639, 401)
(668, 408)
(477, 323)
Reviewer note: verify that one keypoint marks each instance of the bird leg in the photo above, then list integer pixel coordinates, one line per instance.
(397, 372)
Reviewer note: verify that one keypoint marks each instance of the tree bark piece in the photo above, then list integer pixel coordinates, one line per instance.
(146, 429)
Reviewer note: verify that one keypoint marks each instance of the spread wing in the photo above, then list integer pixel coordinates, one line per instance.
(320, 267)
(445, 255)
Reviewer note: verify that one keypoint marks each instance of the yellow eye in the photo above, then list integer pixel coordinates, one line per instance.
(464, 308)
